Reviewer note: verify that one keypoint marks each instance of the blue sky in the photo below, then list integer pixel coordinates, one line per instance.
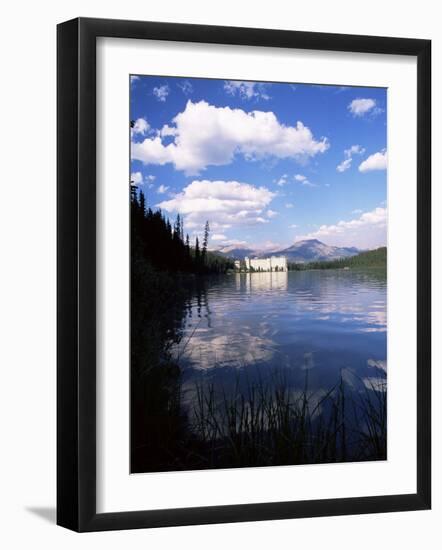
(266, 163)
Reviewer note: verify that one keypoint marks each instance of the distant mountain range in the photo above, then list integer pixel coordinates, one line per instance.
(310, 250)
(237, 253)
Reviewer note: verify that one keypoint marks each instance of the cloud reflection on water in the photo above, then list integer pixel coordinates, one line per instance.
(307, 321)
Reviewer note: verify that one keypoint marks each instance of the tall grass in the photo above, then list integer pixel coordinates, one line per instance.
(272, 425)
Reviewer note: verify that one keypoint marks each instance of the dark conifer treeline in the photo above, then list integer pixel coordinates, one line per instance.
(163, 264)
(165, 246)
(371, 258)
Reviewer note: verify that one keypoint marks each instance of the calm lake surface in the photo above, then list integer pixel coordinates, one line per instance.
(295, 328)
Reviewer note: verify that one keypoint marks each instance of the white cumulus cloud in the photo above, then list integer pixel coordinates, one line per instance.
(162, 189)
(369, 230)
(303, 180)
(354, 150)
(161, 92)
(186, 87)
(377, 161)
(140, 127)
(282, 180)
(207, 135)
(223, 203)
(344, 165)
(359, 107)
(246, 89)
(218, 237)
(136, 178)
(348, 153)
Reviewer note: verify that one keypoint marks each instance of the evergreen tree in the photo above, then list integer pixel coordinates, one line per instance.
(197, 252)
(177, 228)
(205, 243)
(142, 203)
(133, 193)
(154, 239)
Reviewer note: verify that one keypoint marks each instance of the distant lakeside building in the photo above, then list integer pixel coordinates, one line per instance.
(274, 263)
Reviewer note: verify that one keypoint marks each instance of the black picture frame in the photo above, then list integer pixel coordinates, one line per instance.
(76, 274)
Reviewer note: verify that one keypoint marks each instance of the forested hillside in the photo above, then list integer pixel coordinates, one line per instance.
(165, 247)
(371, 258)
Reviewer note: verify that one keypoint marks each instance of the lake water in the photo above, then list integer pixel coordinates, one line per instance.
(305, 328)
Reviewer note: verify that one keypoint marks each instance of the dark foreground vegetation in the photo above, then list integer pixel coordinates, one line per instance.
(258, 424)
(165, 269)
(268, 424)
(370, 259)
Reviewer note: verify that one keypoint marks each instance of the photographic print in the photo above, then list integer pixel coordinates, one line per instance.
(258, 273)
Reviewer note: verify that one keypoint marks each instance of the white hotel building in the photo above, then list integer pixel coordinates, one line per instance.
(274, 263)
